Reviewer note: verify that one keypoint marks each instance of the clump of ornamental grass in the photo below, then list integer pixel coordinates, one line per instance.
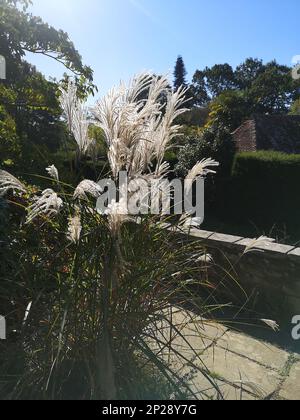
(96, 290)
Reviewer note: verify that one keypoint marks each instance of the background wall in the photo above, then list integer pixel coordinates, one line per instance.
(270, 277)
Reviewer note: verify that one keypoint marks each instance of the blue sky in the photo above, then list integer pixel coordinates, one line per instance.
(119, 38)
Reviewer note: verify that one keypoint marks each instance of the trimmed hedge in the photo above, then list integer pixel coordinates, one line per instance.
(266, 188)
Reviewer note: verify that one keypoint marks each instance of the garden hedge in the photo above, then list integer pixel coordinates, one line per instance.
(266, 188)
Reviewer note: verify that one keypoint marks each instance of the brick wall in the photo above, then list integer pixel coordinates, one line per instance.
(245, 137)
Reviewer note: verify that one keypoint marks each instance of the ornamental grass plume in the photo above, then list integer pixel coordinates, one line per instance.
(80, 130)
(69, 102)
(200, 169)
(53, 172)
(259, 244)
(9, 182)
(103, 286)
(139, 130)
(76, 115)
(85, 188)
(136, 130)
(49, 204)
(74, 228)
(271, 324)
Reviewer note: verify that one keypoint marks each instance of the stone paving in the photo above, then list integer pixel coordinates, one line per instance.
(243, 367)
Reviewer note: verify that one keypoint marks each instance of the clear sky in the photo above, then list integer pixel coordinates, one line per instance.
(119, 38)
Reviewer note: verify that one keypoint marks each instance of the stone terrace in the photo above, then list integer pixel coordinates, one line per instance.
(244, 368)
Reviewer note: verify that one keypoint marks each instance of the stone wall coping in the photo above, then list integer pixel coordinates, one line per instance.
(294, 254)
(220, 237)
(202, 234)
(273, 248)
(277, 248)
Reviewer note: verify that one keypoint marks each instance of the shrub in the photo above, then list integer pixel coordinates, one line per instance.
(212, 142)
(265, 187)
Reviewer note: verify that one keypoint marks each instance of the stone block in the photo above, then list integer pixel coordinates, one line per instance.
(291, 387)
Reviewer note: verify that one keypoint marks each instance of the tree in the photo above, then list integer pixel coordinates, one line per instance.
(180, 74)
(253, 88)
(30, 117)
(274, 90)
(211, 82)
(199, 89)
(219, 78)
(229, 110)
(247, 72)
(21, 32)
(30, 114)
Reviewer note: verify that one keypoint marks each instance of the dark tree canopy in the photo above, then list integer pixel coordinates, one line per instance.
(247, 72)
(252, 88)
(219, 78)
(274, 89)
(199, 90)
(180, 74)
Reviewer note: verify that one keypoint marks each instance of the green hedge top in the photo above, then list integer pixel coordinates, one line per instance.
(266, 158)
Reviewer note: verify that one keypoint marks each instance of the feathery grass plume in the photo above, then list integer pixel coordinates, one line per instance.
(87, 187)
(257, 244)
(200, 169)
(117, 213)
(49, 204)
(135, 128)
(69, 102)
(9, 182)
(272, 324)
(53, 172)
(74, 228)
(166, 129)
(77, 117)
(120, 114)
(80, 129)
(139, 128)
(206, 258)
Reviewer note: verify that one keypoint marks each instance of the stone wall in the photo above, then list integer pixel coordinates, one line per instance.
(270, 277)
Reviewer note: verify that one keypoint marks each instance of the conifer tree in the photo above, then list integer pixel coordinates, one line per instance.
(180, 74)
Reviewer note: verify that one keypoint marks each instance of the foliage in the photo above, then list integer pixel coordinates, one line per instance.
(211, 142)
(219, 78)
(90, 294)
(31, 130)
(198, 89)
(229, 110)
(30, 118)
(247, 72)
(275, 200)
(195, 117)
(179, 74)
(295, 109)
(261, 88)
(274, 90)
(61, 351)
(21, 32)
